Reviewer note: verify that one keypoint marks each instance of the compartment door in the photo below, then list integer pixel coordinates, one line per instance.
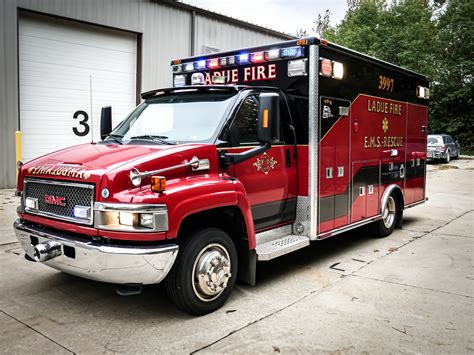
(417, 120)
(333, 163)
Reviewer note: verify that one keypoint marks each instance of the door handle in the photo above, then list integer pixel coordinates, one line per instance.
(288, 157)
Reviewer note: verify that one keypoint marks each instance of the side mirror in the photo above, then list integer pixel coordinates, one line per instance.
(268, 130)
(105, 122)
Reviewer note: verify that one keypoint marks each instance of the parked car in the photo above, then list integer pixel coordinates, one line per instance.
(442, 147)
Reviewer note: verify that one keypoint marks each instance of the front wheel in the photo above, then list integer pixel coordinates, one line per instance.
(204, 273)
(385, 226)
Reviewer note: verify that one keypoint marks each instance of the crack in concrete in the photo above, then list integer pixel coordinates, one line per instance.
(332, 283)
(452, 235)
(37, 331)
(260, 319)
(413, 286)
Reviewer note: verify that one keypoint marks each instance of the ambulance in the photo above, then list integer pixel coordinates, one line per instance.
(252, 154)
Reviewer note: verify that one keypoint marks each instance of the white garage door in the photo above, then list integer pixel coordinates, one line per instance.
(59, 62)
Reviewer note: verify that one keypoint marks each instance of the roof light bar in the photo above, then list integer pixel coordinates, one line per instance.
(291, 52)
(242, 58)
(273, 54)
(231, 60)
(188, 66)
(177, 68)
(257, 57)
(200, 64)
(213, 63)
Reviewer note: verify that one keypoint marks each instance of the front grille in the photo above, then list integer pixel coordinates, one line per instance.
(74, 194)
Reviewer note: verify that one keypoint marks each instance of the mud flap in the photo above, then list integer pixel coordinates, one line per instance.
(247, 266)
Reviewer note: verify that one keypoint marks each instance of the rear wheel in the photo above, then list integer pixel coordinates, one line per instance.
(385, 226)
(204, 273)
(447, 159)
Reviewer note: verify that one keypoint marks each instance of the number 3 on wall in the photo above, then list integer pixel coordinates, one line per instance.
(82, 122)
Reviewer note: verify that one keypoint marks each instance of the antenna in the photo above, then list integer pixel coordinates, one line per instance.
(92, 114)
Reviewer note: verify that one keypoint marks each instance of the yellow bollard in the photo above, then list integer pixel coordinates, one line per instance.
(18, 152)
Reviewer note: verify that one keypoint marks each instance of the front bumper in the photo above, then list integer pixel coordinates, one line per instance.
(107, 263)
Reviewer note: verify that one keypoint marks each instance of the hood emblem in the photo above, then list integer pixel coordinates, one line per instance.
(265, 164)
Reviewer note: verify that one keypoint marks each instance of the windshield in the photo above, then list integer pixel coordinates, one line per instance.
(434, 140)
(175, 118)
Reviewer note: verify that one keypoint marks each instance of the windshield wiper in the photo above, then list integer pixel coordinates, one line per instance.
(153, 138)
(115, 137)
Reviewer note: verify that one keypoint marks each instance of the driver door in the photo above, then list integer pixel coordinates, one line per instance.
(270, 179)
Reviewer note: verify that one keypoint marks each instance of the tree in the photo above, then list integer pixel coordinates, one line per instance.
(452, 106)
(434, 38)
(301, 33)
(322, 25)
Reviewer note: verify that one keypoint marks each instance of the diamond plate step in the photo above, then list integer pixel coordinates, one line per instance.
(275, 248)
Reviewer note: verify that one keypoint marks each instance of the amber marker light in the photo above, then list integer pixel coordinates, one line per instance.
(265, 118)
(158, 183)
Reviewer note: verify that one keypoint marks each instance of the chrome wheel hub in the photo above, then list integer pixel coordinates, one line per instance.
(211, 272)
(389, 212)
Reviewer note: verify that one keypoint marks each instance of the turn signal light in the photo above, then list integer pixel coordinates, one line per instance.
(158, 183)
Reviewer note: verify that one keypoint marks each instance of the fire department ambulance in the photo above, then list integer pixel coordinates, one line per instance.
(252, 154)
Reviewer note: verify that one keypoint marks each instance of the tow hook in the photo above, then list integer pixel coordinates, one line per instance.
(44, 251)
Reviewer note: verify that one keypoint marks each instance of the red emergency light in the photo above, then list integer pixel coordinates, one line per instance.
(213, 63)
(257, 57)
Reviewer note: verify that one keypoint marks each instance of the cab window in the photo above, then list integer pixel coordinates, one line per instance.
(244, 126)
(245, 121)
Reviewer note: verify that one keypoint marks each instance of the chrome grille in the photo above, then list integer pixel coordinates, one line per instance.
(75, 195)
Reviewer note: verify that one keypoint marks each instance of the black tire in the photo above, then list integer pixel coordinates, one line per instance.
(201, 249)
(385, 226)
(447, 159)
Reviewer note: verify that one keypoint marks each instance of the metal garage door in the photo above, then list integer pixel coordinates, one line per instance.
(59, 62)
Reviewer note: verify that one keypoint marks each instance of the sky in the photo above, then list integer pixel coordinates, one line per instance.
(281, 15)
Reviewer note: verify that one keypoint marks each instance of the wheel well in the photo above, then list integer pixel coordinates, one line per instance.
(399, 196)
(230, 220)
(401, 206)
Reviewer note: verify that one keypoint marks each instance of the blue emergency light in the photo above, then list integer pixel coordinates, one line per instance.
(243, 58)
(291, 52)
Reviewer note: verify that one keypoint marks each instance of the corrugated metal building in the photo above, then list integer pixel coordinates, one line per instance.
(62, 60)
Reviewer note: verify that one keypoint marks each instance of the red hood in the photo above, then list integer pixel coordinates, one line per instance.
(92, 163)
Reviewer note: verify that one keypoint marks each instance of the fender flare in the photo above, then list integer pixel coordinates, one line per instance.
(388, 191)
(226, 194)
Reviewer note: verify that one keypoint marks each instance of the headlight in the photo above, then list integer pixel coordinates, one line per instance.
(131, 217)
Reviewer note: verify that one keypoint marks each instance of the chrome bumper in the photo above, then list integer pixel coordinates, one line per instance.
(115, 264)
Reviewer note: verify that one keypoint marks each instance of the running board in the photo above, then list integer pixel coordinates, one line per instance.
(278, 247)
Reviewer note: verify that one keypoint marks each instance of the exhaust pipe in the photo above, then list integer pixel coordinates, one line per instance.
(44, 251)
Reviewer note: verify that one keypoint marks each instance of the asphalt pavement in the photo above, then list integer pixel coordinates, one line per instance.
(412, 292)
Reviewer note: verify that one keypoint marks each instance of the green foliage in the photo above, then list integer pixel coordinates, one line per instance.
(435, 39)
(452, 106)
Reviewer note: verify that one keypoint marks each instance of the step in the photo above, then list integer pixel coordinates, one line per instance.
(284, 245)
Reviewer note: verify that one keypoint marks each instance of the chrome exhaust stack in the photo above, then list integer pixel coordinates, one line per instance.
(44, 251)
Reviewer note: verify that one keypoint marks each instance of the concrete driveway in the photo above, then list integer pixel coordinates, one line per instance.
(410, 292)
